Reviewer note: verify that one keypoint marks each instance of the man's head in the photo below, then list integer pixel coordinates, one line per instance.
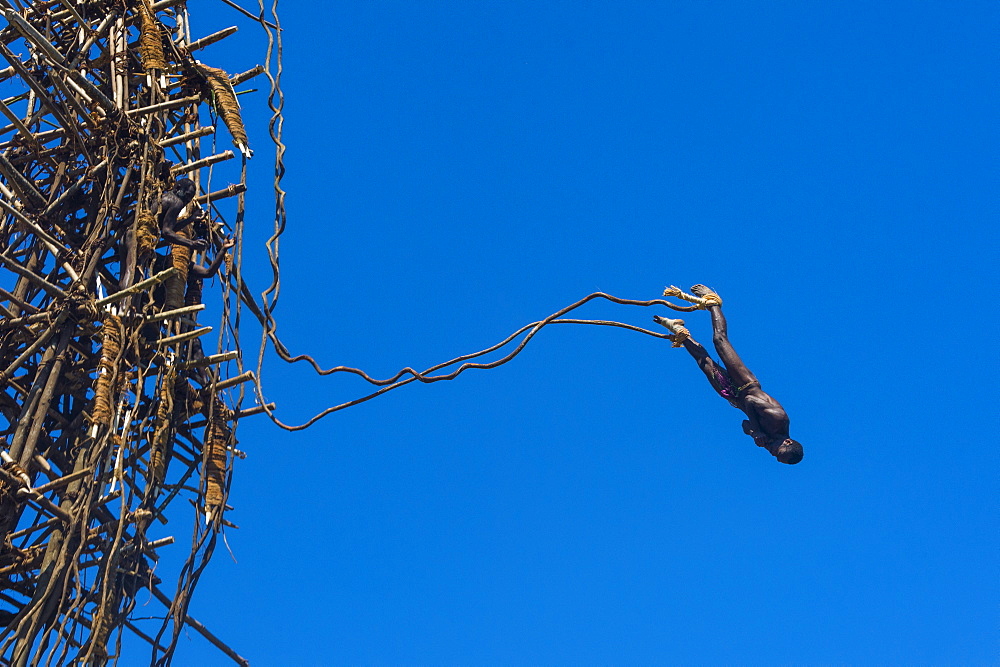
(788, 451)
(184, 189)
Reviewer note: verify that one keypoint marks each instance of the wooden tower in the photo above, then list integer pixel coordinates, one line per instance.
(116, 402)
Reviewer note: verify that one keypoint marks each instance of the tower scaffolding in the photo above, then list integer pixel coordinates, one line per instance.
(112, 407)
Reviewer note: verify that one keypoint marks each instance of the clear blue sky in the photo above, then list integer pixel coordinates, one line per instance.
(456, 170)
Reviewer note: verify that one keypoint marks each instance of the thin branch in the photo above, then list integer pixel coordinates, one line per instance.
(246, 13)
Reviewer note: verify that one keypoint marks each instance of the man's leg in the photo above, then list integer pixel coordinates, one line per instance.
(738, 372)
(712, 371)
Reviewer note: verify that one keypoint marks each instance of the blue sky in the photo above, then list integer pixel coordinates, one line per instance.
(457, 170)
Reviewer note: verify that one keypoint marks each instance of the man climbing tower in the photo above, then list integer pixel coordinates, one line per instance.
(171, 204)
(767, 422)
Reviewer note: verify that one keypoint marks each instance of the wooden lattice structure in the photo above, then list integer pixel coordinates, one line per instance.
(112, 406)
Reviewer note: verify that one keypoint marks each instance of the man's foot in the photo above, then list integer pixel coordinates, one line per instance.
(672, 325)
(676, 327)
(707, 296)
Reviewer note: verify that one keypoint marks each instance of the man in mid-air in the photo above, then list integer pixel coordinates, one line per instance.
(767, 421)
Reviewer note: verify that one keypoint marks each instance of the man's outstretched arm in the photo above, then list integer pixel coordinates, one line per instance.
(202, 272)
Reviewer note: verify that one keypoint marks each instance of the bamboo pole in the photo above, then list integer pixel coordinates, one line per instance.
(180, 139)
(63, 481)
(165, 106)
(204, 162)
(199, 44)
(38, 281)
(138, 287)
(233, 381)
(182, 337)
(230, 191)
(201, 629)
(185, 310)
(212, 360)
(25, 189)
(247, 75)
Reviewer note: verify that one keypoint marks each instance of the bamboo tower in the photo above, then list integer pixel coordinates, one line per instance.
(112, 405)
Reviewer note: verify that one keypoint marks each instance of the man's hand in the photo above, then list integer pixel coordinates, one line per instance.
(758, 438)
